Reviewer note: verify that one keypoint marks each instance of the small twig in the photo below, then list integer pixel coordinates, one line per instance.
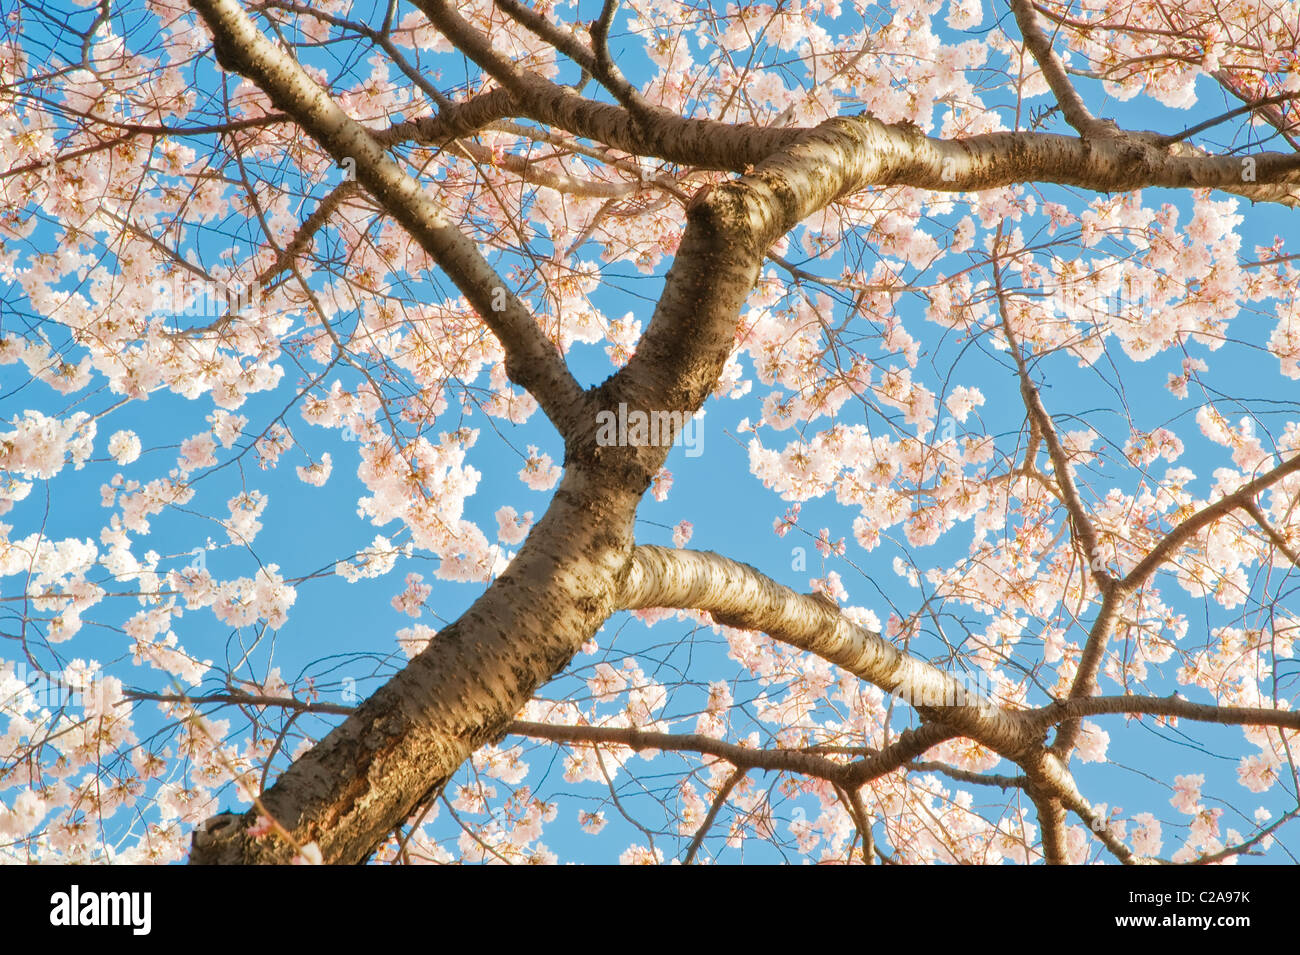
(718, 801)
(1224, 117)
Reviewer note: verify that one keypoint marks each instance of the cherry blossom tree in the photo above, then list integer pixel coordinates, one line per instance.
(1009, 272)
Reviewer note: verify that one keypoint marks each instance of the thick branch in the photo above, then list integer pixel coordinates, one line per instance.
(608, 74)
(1067, 97)
(967, 776)
(530, 170)
(563, 40)
(737, 595)
(1053, 789)
(851, 799)
(704, 143)
(1051, 823)
(532, 361)
(1090, 660)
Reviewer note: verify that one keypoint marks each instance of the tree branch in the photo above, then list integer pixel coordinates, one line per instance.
(1203, 518)
(900, 753)
(609, 75)
(563, 40)
(529, 170)
(852, 800)
(1079, 520)
(1053, 790)
(1067, 97)
(243, 699)
(1245, 847)
(451, 122)
(1081, 525)
(742, 757)
(1251, 508)
(966, 776)
(737, 595)
(887, 155)
(1051, 824)
(532, 362)
(1165, 706)
(718, 802)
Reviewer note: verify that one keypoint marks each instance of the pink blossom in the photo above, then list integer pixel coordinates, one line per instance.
(197, 452)
(782, 525)
(124, 446)
(411, 600)
(831, 586)
(641, 855)
(1257, 773)
(1187, 793)
(318, 473)
(414, 639)
(538, 472)
(962, 400)
(512, 529)
(1092, 742)
(824, 545)
(661, 484)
